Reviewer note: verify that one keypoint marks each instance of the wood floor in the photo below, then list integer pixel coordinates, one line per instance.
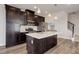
(18, 49)
(64, 46)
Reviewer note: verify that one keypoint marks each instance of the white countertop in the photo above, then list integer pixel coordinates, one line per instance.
(41, 35)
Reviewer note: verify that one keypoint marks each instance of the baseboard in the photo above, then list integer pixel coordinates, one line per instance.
(2, 47)
(64, 37)
(2, 44)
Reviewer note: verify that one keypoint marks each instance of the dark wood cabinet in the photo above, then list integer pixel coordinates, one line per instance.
(23, 18)
(21, 38)
(29, 17)
(38, 46)
(14, 19)
(29, 14)
(32, 18)
(38, 19)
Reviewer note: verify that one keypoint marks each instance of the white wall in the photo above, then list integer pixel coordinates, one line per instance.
(2, 25)
(61, 24)
(74, 18)
(49, 21)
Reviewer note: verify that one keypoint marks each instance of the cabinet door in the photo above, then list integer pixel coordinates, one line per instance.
(23, 18)
(29, 14)
(51, 41)
(30, 45)
(21, 38)
(42, 45)
(13, 22)
(10, 35)
(38, 20)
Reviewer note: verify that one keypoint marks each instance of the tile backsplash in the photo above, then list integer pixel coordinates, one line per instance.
(24, 27)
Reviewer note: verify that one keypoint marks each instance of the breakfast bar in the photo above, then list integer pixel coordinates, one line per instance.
(38, 43)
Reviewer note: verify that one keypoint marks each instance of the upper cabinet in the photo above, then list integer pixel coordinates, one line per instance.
(33, 19)
(38, 19)
(29, 17)
(15, 15)
(29, 14)
(23, 17)
(12, 13)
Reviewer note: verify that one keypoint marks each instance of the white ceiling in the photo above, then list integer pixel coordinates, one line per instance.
(51, 8)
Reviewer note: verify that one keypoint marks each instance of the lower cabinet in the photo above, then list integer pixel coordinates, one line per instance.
(21, 38)
(39, 46)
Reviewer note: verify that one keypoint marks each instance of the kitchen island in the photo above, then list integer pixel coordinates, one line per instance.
(41, 42)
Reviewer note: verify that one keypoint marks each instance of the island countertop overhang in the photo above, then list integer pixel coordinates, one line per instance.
(41, 35)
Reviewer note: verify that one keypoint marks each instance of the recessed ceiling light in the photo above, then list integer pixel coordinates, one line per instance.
(35, 7)
(38, 11)
(49, 15)
(56, 17)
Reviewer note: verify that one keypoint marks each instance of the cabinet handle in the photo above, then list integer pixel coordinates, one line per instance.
(31, 41)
